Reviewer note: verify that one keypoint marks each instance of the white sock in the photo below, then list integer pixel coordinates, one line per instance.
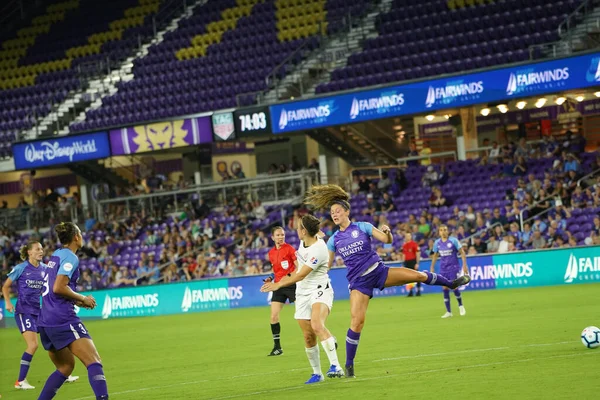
(314, 359)
(329, 347)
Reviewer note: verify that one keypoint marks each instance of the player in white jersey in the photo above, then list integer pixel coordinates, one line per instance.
(314, 297)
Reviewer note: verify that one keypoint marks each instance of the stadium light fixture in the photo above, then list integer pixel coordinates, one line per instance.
(397, 127)
(447, 116)
(541, 102)
(560, 100)
(580, 98)
(597, 94)
(485, 111)
(521, 105)
(503, 108)
(430, 117)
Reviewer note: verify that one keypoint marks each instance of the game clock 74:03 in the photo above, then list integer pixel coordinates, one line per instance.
(252, 121)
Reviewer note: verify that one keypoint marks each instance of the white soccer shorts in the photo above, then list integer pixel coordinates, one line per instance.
(304, 302)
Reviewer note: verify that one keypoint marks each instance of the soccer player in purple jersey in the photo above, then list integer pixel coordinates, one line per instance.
(365, 269)
(62, 332)
(29, 276)
(447, 249)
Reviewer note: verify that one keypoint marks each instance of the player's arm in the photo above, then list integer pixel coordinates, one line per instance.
(384, 235)
(433, 260)
(331, 259)
(286, 280)
(418, 257)
(61, 288)
(463, 256)
(6, 294)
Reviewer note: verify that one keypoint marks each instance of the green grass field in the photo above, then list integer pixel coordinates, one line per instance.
(513, 344)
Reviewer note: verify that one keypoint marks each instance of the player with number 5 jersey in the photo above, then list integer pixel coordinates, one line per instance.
(314, 297)
(62, 333)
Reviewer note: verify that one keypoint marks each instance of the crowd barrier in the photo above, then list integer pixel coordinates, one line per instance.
(497, 271)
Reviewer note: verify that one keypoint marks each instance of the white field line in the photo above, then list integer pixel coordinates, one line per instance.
(454, 353)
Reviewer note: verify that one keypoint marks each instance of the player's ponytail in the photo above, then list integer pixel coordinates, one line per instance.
(325, 196)
(24, 250)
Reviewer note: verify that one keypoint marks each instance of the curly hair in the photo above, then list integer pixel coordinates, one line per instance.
(66, 232)
(324, 196)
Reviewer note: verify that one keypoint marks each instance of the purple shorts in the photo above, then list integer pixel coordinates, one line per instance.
(373, 280)
(450, 273)
(59, 337)
(27, 322)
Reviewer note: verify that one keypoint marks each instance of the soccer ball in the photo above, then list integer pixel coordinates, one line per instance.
(590, 337)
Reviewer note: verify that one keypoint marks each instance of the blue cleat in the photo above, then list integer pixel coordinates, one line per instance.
(315, 378)
(335, 372)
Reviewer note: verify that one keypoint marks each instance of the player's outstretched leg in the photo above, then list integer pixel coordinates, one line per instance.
(461, 308)
(447, 303)
(402, 276)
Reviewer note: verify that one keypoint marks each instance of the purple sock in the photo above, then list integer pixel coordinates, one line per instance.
(25, 361)
(97, 381)
(458, 298)
(447, 299)
(437, 279)
(54, 382)
(352, 339)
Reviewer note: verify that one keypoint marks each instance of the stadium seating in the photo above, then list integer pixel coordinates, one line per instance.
(434, 37)
(38, 67)
(226, 48)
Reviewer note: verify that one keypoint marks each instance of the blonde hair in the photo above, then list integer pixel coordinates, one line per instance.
(325, 196)
(23, 250)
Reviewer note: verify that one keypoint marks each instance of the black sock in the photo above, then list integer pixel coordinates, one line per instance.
(275, 329)
(418, 286)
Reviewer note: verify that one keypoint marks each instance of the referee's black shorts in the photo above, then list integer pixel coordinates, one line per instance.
(285, 293)
(410, 263)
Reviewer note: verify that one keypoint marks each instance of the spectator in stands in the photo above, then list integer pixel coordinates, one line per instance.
(373, 206)
(523, 149)
(400, 182)
(412, 152)
(314, 164)
(494, 153)
(425, 151)
(384, 183)
(576, 142)
(437, 199)
(363, 184)
(493, 244)
(430, 177)
(443, 176)
(527, 233)
(571, 163)
(387, 205)
(295, 166)
(520, 168)
(537, 241)
(479, 246)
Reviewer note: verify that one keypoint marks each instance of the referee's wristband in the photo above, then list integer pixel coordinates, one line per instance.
(272, 276)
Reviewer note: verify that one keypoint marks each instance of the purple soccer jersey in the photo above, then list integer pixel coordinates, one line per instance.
(354, 246)
(448, 251)
(30, 284)
(57, 310)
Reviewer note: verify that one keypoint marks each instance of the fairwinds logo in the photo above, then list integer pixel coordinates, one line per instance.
(316, 114)
(107, 308)
(283, 121)
(128, 303)
(579, 269)
(593, 72)
(194, 299)
(382, 104)
(529, 79)
(453, 91)
(186, 304)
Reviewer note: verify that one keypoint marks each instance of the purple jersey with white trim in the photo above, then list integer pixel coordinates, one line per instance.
(448, 251)
(58, 310)
(354, 246)
(30, 283)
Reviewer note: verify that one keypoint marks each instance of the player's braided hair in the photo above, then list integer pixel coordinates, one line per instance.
(66, 232)
(325, 196)
(23, 250)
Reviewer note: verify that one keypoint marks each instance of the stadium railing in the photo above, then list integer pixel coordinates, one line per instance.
(377, 170)
(274, 188)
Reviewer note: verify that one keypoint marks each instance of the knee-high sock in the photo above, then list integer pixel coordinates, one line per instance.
(458, 297)
(53, 383)
(314, 358)
(447, 299)
(25, 361)
(437, 279)
(276, 330)
(352, 339)
(97, 381)
(329, 347)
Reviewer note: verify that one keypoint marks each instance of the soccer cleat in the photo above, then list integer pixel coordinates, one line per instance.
(462, 310)
(23, 385)
(314, 378)
(460, 281)
(275, 352)
(350, 371)
(447, 315)
(71, 379)
(335, 372)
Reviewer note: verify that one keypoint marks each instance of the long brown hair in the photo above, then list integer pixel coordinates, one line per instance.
(324, 196)
(23, 250)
